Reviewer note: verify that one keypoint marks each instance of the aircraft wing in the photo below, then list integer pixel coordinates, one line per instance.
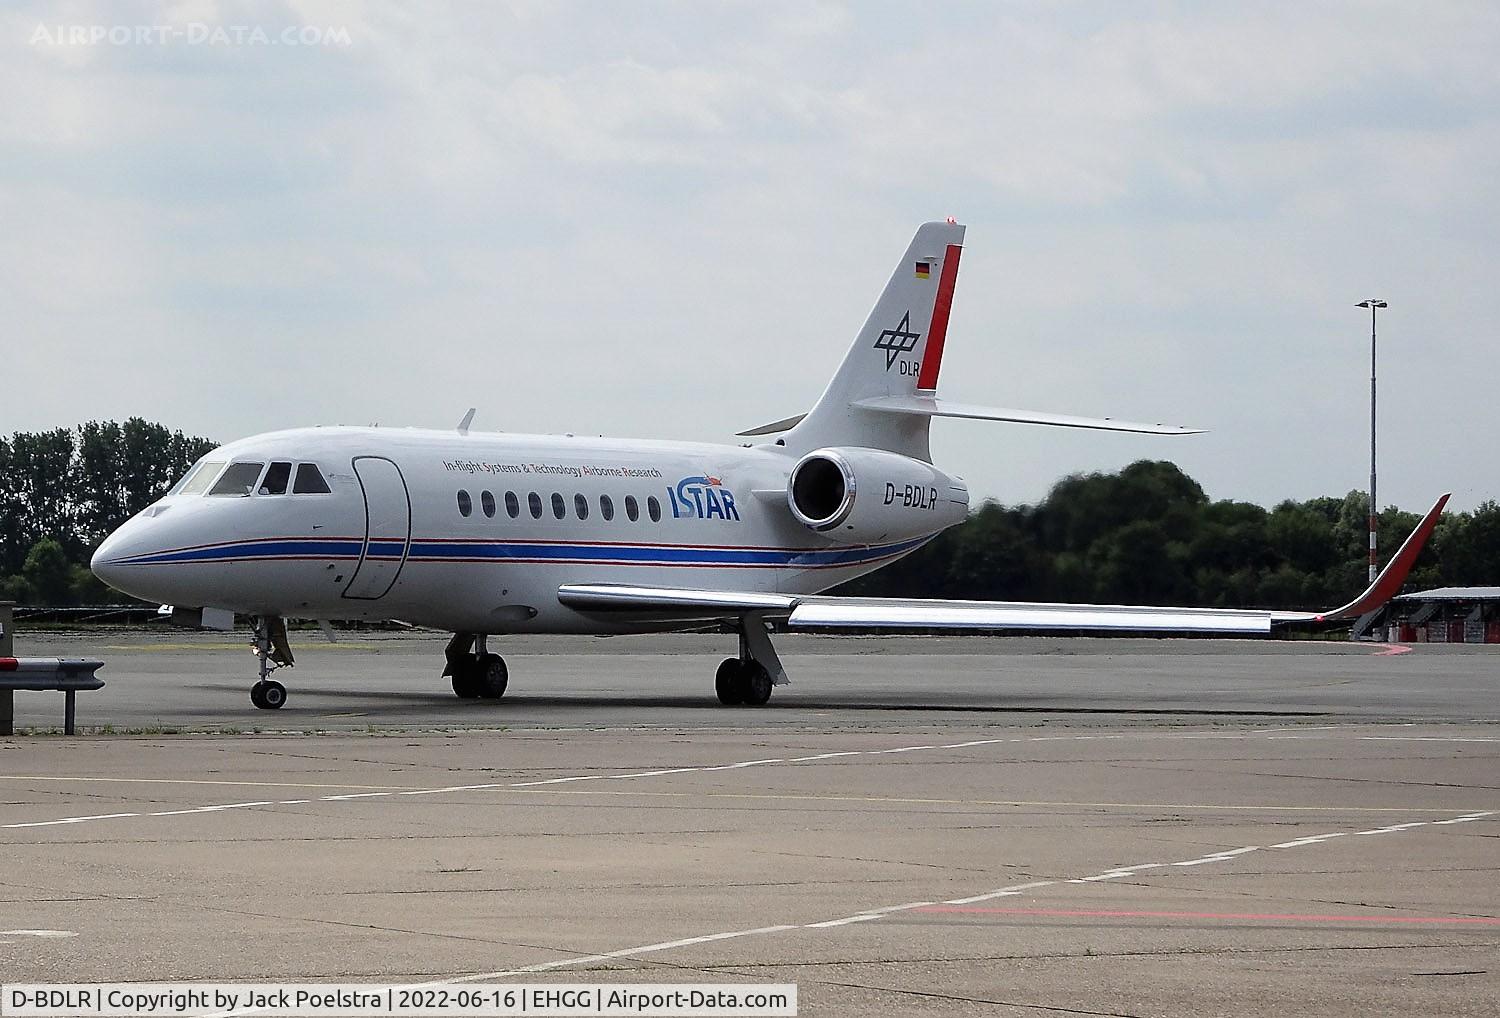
(820, 612)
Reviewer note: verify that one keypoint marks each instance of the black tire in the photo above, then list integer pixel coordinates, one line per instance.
(492, 676)
(255, 695)
(757, 684)
(466, 679)
(273, 696)
(729, 682)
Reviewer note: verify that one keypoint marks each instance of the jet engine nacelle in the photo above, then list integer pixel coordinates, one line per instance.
(861, 496)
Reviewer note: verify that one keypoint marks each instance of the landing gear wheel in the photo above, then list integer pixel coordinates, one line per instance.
(756, 683)
(729, 682)
(491, 676)
(466, 680)
(268, 694)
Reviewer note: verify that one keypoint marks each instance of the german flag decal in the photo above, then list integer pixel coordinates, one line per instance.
(924, 270)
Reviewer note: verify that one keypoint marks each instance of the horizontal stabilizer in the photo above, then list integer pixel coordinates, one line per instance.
(931, 406)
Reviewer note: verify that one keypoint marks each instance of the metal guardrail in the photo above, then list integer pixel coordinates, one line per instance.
(68, 675)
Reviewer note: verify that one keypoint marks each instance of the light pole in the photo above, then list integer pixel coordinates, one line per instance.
(1372, 304)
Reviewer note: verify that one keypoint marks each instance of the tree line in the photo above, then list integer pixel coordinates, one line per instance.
(1147, 534)
(64, 491)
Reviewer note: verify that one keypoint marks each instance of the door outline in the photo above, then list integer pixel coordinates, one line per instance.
(364, 551)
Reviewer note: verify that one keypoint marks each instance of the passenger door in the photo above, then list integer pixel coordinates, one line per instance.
(387, 528)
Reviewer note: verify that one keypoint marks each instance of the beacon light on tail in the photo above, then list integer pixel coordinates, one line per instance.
(485, 535)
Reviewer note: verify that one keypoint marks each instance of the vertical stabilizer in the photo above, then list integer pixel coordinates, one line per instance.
(898, 353)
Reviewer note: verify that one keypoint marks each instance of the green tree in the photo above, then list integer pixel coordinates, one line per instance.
(49, 573)
(39, 480)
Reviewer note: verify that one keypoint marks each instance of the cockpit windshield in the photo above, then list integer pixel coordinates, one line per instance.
(197, 480)
(251, 477)
(274, 483)
(239, 479)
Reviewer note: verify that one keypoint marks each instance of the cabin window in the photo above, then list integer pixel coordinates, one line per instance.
(239, 479)
(487, 503)
(535, 502)
(559, 507)
(198, 479)
(654, 508)
(465, 504)
(309, 480)
(275, 481)
(512, 505)
(581, 506)
(632, 510)
(606, 508)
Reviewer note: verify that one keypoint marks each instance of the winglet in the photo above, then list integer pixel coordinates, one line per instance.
(463, 425)
(1394, 574)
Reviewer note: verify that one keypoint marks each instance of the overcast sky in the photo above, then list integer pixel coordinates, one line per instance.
(670, 220)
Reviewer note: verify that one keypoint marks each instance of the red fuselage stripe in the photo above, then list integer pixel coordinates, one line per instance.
(937, 332)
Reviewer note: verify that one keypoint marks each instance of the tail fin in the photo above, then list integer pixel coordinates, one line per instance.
(897, 353)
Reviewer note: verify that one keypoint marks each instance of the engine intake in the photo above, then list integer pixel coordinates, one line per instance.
(859, 496)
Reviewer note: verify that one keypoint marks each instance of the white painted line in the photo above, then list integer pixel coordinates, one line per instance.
(1218, 856)
(738, 766)
(1124, 871)
(627, 952)
(1395, 827)
(54, 934)
(1001, 892)
(451, 788)
(829, 924)
(72, 820)
(352, 795)
(1420, 738)
(1313, 840)
(1465, 819)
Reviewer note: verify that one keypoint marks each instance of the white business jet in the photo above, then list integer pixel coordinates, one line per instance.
(482, 535)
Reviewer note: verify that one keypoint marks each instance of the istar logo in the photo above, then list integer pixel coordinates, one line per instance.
(702, 498)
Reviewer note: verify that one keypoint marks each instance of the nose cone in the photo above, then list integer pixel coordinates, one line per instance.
(110, 561)
(105, 563)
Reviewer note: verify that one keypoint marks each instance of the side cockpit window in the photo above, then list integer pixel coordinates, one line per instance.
(199, 478)
(275, 481)
(309, 480)
(239, 479)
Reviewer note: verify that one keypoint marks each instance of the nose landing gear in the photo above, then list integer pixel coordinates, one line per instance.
(271, 651)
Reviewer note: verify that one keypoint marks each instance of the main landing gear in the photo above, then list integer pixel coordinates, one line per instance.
(271, 651)
(476, 673)
(749, 678)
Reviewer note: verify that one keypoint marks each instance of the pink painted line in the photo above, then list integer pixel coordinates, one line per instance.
(1392, 651)
(1257, 916)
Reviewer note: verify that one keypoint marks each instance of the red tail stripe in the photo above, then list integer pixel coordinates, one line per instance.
(9, 664)
(937, 332)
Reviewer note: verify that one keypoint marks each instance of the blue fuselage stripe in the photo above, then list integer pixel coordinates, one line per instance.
(502, 551)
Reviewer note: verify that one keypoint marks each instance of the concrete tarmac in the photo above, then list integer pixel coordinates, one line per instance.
(913, 827)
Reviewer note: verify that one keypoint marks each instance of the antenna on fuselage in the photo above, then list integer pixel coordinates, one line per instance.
(463, 425)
